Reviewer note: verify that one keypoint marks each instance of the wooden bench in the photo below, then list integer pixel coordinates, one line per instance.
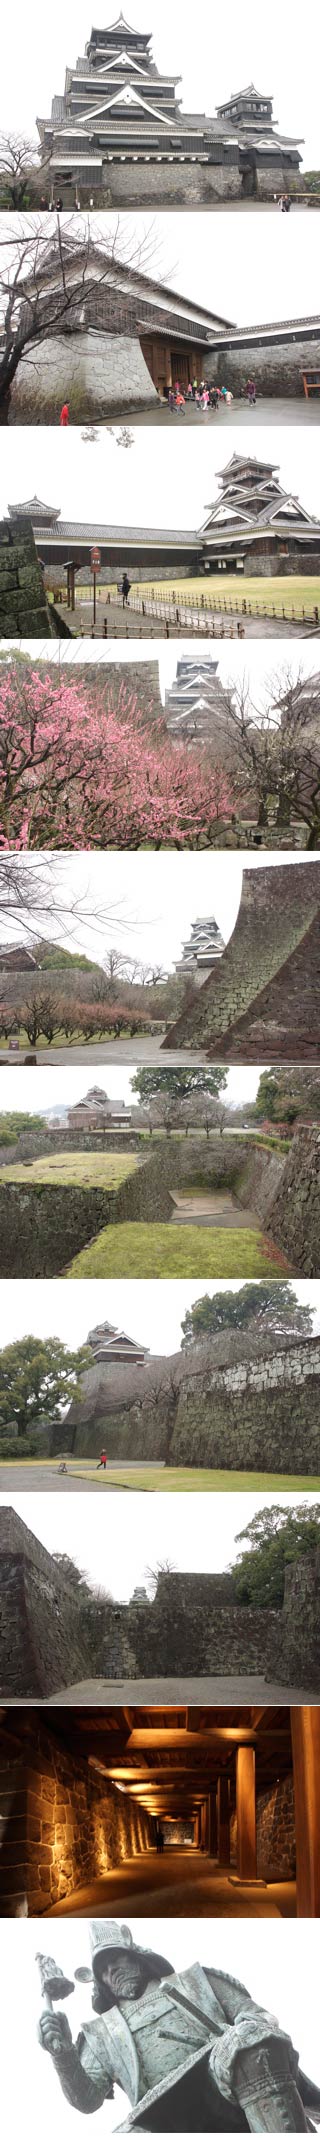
(311, 382)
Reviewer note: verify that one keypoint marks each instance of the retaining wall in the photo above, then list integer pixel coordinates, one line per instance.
(96, 373)
(24, 610)
(42, 1228)
(61, 1824)
(262, 1002)
(276, 366)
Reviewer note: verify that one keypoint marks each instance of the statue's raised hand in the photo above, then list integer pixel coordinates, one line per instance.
(55, 2033)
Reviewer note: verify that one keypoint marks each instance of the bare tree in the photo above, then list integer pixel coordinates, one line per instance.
(48, 275)
(205, 1112)
(18, 170)
(35, 897)
(276, 767)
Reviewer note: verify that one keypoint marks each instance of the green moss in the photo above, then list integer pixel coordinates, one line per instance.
(164, 1251)
(83, 1169)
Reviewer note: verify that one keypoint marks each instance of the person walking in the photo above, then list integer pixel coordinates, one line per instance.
(251, 393)
(125, 590)
(102, 1464)
(64, 416)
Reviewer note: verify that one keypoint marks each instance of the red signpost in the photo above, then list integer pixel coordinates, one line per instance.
(95, 561)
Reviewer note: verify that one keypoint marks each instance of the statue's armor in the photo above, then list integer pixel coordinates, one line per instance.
(165, 2037)
(192, 2053)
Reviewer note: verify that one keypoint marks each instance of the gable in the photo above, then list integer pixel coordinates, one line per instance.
(124, 98)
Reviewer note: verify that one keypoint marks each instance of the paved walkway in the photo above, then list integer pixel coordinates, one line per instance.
(181, 1882)
(128, 1051)
(220, 1210)
(130, 623)
(272, 412)
(172, 1692)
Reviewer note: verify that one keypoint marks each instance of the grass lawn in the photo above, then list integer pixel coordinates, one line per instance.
(149, 1479)
(60, 1040)
(83, 1169)
(269, 594)
(165, 1251)
(153, 1480)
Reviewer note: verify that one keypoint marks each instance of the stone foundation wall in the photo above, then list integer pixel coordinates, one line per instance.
(41, 1634)
(197, 1635)
(276, 366)
(297, 1653)
(295, 1214)
(42, 1228)
(61, 1824)
(177, 1832)
(276, 566)
(265, 1414)
(169, 185)
(276, 1843)
(24, 610)
(265, 991)
(96, 373)
(52, 1636)
(40, 1144)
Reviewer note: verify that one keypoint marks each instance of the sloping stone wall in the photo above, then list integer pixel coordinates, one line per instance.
(24, 610)
(95, 373)
(265, 990)
(61, 1824)
(40, 1624)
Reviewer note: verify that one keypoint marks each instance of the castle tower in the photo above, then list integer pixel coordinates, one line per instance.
(253, 519)
(196, 705)
(111, 1346)
(118, 108)
(202, 951)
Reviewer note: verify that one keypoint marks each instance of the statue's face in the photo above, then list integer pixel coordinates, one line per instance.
(127, 1975)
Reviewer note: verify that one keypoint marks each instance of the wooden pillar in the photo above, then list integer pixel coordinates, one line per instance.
(305, 1735)
(204, 1824)
(224, 1821)
(197, 1830)
(213, 1829)
(246, 1812)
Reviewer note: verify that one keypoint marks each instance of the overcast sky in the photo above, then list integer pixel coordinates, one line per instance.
(280, 1968)
(46, 1088)
(143, 903)
(165, 480)
(264, 667)
(151, 1313)
(118, 1553)
(247, 283)
(214, 58)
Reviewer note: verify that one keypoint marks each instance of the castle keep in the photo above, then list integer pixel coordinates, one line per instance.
(253, 527)
(119, 133)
